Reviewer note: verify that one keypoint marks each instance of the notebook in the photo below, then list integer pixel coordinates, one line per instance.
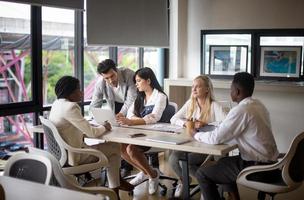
(207, 128)
(165, 127)
(168, 139)
(101, 115)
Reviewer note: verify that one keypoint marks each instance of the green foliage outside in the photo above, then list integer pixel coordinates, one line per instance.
(59, 64)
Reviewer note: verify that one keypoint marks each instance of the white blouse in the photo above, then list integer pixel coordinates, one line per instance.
(159, 100)
(217, 114)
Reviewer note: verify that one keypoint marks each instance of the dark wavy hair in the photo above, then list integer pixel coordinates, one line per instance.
(145, 73)
(65, 86)
(104, 66)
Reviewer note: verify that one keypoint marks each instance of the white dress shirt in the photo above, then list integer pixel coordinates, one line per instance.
(247, 125)
(118, 93)
(217, 113)
(126, 91)
(159, 100)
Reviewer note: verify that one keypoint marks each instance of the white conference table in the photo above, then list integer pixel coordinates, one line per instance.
(17, 189)
(123, 135)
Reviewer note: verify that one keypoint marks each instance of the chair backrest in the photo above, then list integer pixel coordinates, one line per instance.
(29, 167)
(67, 181)
(64, 180)
(168, 113)
(52, 137)
(293, 170)
(62, 154)
(227, 105)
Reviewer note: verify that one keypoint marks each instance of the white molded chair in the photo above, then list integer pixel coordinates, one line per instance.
(227, 105)
(34, 168)
(68, 181)
(59, 148)
(281, 177)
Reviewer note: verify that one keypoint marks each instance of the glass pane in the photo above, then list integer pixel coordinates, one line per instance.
(284, 41)
(128, 57)
(14, 134)
(58, 48)
(92, 56)
(15, 53)
(226, 40)
(152, 59)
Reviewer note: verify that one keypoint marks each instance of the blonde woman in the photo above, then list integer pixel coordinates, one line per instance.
(202, 109)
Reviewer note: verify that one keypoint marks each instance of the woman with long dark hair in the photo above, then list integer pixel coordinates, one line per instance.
(148, 108)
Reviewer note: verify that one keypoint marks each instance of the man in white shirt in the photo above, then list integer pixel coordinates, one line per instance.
(116, 85)
(248, 126)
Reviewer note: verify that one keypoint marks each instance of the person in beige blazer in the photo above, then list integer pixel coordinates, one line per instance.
(73, 127)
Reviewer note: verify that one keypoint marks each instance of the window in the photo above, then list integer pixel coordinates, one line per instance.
(58, 48)
(284, 41)
(153, 59)
(226, 54)
(270, 54)
(92, 56)
(15, 51)
(14, 130)
(21, 64)
(128, 57)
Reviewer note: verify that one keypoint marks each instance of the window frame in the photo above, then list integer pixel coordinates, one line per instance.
(36, 104)
(256, 34)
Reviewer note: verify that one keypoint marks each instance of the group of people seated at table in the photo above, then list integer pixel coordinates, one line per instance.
(137, 99)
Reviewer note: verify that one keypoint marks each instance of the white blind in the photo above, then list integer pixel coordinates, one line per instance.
(70, 4)
(127, 22)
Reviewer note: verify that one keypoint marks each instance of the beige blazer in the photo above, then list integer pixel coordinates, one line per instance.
(72, 126)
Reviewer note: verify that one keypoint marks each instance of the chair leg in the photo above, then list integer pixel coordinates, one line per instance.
(272, 196)
(194, 191)
(261, 195)
(103, 177)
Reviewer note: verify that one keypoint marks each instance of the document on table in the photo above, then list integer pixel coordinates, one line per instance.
(166, 127)
(168, 139)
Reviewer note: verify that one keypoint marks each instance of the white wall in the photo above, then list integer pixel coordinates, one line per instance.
(195, 15)
(287, 110)
(178, 35)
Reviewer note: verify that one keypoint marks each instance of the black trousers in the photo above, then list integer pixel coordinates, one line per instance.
(118, 107)
(224, 172)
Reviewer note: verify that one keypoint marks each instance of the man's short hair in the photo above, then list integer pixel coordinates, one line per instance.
(104, 66)
(245, 81)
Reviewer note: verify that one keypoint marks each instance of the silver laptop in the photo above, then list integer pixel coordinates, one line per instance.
(168, 139)
(102, 115)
